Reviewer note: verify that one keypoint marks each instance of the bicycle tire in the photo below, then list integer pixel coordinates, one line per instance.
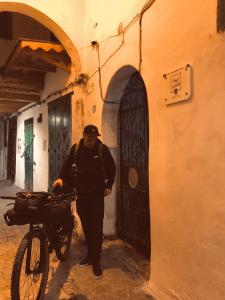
(40, 268)
(63, 244)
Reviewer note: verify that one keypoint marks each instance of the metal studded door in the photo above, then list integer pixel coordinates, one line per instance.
(59, 134)
(28, 153)
(133, 203)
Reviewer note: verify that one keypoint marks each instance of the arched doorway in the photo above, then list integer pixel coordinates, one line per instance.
(125, 129)
(133, 201)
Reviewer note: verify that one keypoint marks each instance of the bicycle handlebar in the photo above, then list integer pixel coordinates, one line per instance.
(58, 196)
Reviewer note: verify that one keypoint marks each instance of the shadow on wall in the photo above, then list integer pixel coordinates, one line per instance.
(112, 100)
(3, 164)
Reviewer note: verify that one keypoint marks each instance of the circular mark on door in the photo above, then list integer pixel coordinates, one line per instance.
(133, 178)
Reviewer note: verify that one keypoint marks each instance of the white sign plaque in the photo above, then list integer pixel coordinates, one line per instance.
(177, 85)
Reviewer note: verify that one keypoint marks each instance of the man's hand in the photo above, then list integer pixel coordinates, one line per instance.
(58, 181)
(107, 192)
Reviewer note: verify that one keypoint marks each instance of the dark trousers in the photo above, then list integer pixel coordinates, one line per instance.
(90, 208)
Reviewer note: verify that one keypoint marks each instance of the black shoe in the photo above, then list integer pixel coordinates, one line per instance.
(84, 262)
(50, 249)
(97, 271)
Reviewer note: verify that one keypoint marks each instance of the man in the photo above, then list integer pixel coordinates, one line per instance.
(94, 175)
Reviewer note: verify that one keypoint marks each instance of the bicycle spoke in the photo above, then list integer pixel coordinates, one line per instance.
(24, 284)
(30, 282)
(26, 291)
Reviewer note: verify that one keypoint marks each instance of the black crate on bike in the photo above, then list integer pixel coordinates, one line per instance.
(13, 217)
(38, 208)
(57, 212)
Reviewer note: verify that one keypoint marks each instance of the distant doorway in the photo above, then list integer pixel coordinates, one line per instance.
(133, 216)
(28, 153)
(59, 115)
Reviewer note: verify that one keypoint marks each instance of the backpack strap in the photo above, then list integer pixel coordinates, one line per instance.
(100, 153)
(76, 149)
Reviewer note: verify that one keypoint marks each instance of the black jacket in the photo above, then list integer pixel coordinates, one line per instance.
(91, 172)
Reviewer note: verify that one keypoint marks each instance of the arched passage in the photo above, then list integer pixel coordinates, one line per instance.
(42, 133)
(125, 130)
(48, 23)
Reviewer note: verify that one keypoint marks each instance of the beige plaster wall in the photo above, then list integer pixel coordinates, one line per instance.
(187, 147)
(187, 168)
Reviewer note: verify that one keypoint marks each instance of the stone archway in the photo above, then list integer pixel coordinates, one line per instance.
(116, 92)
(49, 24)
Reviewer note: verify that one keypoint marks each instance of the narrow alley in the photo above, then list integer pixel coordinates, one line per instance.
(125, 271)
(123, 101)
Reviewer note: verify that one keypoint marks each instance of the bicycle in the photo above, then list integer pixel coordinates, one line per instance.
(31, 265)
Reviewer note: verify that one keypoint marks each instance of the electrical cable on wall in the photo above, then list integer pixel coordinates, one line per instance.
(147, 5)
(122, 32)
(139, 16)
(100, 67)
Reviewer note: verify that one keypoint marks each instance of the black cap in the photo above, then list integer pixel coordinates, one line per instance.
(91, 129)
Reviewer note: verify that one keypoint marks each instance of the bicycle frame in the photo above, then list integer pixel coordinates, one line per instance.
(36, 270)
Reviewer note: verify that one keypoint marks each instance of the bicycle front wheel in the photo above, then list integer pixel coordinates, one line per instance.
(31, 266)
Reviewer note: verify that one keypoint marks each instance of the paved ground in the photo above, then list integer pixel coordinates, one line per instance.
(125, 272)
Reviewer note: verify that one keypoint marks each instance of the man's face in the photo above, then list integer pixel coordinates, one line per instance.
(89, 140)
